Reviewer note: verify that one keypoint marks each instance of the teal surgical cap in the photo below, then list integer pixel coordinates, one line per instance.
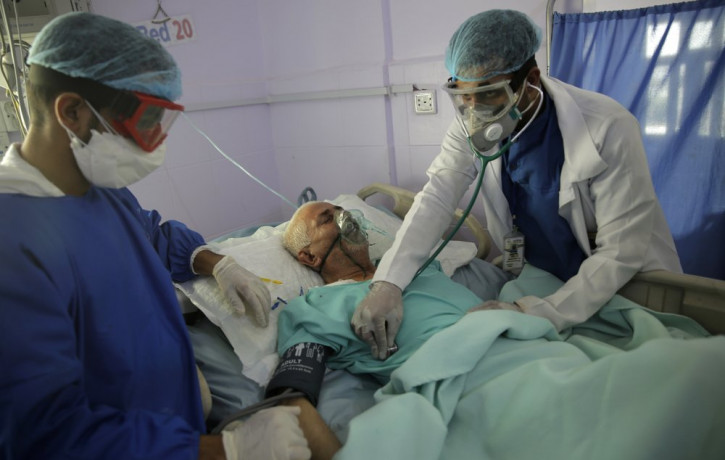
(491, 43)
(108, 51)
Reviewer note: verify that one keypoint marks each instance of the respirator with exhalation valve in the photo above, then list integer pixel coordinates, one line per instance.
(488, 113)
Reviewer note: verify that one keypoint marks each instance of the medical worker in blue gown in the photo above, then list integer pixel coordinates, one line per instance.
(574, 184)
(96, 360)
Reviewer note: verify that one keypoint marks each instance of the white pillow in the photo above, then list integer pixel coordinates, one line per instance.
(263, 254)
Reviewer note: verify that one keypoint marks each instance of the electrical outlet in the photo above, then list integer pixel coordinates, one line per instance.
(424, 101)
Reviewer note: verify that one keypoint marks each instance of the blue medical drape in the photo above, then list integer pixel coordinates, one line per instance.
(665, 64)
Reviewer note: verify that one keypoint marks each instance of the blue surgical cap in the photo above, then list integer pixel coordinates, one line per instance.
(108, 51)
(492, 43)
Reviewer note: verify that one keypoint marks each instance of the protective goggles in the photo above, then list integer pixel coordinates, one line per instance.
(145, 119)
(487, 102)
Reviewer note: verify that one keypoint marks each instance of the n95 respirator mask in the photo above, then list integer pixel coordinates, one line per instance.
(488, 113)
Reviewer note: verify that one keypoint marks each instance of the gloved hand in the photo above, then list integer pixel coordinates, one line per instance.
(377, 318)
(272, 433)
(244, 290)
(496, 305)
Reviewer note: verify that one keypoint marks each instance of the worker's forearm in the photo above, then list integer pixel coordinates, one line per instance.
(211, 448)
(204, 262)
(322, 441)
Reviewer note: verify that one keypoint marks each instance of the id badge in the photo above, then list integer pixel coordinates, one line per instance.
(513, 253)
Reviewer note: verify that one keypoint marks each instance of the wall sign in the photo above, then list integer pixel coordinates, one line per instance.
(173, 31)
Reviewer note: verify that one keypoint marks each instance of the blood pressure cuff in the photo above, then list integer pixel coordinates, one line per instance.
(301, 368)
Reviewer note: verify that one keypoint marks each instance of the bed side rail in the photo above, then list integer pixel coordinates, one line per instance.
(700, 298)
(403, 200)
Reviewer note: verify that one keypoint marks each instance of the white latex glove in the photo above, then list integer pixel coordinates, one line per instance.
(273, 434)
(244, 290)
(496, 305)
(377, 318)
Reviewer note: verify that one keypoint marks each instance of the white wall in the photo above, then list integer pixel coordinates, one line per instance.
(252, 48)
(342, 145)
(226, 62)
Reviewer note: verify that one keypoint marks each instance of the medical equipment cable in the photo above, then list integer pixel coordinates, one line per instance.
(19, 98)
(237, 164)
(485, 160)
(265, 403)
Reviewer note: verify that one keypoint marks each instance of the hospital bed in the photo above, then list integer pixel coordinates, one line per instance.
(236, 358)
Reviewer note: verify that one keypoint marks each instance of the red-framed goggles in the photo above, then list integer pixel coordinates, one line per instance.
(145, 119)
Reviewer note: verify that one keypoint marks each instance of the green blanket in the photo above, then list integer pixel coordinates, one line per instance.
(628, 384)
(432, 303)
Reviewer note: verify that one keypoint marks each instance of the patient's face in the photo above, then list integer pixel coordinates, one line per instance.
(324, 231)
(320, 220)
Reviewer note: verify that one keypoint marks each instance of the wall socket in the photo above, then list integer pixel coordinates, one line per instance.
(424, 101)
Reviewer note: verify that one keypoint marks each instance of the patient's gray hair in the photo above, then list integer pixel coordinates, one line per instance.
(296, 236)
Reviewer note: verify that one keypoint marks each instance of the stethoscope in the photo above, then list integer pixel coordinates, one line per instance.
(485, 160)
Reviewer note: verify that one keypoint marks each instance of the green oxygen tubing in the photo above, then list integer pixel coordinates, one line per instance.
(485, 160)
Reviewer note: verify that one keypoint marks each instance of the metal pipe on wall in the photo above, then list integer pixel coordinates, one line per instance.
(549, 28)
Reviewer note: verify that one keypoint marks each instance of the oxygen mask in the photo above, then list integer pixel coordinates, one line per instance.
(356, 228)
(350, 229)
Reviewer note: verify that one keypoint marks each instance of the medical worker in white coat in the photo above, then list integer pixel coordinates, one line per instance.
(574, 183)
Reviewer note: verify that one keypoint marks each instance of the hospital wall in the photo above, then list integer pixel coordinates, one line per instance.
(248, 50)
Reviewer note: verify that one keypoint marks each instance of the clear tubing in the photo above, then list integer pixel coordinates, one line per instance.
(237, 164)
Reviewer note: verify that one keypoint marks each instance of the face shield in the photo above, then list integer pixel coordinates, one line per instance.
(488, 112)
(145, 119)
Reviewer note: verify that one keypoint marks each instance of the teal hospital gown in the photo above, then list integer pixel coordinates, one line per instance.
(431, 303)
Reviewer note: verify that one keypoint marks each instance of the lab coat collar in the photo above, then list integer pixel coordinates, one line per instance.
(581, 157)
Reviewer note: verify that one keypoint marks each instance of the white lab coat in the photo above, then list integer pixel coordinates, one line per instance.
(606, 188)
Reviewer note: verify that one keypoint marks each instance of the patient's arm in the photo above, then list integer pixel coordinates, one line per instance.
(322, 441)
(302, 369)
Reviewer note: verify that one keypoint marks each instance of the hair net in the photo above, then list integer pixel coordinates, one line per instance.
(107, 51)
(491, 43)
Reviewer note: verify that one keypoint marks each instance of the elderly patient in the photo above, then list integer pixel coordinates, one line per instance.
(315, 333)
(315, 329)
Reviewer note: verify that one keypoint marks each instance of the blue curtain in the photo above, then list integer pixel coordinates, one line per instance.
(665, 64)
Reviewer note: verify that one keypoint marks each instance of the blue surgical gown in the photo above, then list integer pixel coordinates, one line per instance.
(96, 359)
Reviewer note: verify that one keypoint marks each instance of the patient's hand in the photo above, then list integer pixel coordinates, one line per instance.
(495, 305)
(322, 441)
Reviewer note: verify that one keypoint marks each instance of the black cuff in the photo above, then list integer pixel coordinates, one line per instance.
(302, 368)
